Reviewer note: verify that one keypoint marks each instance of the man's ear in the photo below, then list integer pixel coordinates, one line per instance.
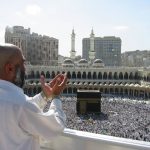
(8, 68)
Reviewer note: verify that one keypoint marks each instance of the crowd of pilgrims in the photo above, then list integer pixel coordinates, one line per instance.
(120, 117)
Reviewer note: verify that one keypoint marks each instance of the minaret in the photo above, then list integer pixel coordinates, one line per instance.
(72, 52)
(92, 51)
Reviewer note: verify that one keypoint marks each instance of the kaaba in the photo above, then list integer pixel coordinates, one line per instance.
(88, 101)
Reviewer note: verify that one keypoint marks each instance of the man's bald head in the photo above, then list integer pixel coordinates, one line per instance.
(8, 52)
(12, 67)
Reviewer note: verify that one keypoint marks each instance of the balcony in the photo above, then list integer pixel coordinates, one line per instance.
(79, 140)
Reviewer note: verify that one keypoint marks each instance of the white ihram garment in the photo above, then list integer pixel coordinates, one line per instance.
(22, 120)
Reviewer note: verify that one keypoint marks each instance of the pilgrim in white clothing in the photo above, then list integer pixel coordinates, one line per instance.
(23, 120)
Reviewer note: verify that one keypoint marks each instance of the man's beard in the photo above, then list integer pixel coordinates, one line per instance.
(20, 77)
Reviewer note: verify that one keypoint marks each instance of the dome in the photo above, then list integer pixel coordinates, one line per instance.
(68, 63)
(98, 63)
(83, 61)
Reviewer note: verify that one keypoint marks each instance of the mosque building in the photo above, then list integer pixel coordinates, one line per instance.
(120, 81)
(98, 69)
(91, 74)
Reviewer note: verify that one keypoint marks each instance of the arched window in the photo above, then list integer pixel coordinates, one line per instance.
(120, 75)
(99, 75)
(65, 91)
(126, 75)
(148, 77)
(94, 75)
(111, 91)
(89, 75)
(106, 91)
(105, 75)
(116, 91)
(84, 75)
(75, 90)
(136, 76)
(131, 76)
(48, 75)
(145, 79)
(79, 75)
(70, 90)
(68, 75)
(115, 76)
(73, 75)
(110, 75)
(42, 73)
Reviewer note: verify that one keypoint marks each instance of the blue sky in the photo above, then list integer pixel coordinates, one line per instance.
(127, 19)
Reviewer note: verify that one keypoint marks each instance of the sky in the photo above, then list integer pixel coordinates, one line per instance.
(127, 19)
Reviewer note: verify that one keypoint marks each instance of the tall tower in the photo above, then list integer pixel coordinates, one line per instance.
(92, 51)
(72, 52)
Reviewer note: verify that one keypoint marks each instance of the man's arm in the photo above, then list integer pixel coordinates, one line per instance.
(38, 99)
(47, 125)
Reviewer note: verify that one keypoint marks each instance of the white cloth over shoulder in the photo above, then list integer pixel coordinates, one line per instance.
(23, 121)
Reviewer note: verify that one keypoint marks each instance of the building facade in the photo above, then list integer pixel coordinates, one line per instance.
(37, 49)
(120, 81)
(107, 48)
(137, 58)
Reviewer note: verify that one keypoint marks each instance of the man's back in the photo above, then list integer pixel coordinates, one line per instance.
(12, 135)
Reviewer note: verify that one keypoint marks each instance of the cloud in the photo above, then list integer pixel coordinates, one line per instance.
(29, 12)
(33, 10)
(121, 27)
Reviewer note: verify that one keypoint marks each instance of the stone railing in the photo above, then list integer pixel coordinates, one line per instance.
(79, 140)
